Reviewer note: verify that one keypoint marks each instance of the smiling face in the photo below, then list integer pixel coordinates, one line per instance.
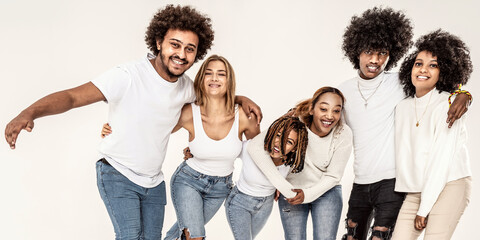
(326, 113)
(177, 53)
(277, 144)
(372, 63)
(215, 79)
(425, 73)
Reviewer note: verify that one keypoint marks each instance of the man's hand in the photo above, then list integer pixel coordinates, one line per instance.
(54, 103)
(458, 108)
(249, 107)
(13, 128)
(420, 222)
(297, 199)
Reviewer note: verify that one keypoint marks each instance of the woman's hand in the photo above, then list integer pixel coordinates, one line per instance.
(297, 199)
(187, 154)
(420, 222)
(277, 195)
(106, 130)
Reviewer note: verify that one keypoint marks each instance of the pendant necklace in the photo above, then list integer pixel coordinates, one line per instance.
(416, 118)
(363, 97)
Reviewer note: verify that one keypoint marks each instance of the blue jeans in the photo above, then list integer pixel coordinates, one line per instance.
(247, 214)
(136, 212)
(326, 211)
(196, 198)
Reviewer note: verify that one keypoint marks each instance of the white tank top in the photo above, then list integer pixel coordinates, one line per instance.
(212, 157)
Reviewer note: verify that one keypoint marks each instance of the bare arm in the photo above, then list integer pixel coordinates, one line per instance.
(186, 121)
(458, 108)
(54, 103)
(249, 107)
(248, 126)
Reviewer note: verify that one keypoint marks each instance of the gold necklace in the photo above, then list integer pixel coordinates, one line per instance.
(416, 118)
(363, 97)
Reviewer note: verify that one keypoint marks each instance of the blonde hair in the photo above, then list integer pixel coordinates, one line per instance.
(199, 85)
(302, 110)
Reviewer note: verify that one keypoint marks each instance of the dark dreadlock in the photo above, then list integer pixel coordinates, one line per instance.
(282, 127)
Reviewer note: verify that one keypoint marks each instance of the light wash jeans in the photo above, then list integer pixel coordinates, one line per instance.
(247, 214)
(326, 211)
(196, 198)
(136, 212)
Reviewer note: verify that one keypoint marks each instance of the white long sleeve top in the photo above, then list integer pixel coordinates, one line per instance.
(252, 181)
(430, 155)
(325, 162)
(373, 125)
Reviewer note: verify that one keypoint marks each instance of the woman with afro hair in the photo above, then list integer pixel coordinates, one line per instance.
(432, 160)
(374, 42)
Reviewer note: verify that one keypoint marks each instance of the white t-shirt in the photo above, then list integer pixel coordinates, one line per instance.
(373, 126)
(430, 155)
(252, 181)
(143, 109)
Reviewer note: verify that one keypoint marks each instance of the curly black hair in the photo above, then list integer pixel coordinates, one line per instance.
(181, 18)
(378, 29)
(453, 58)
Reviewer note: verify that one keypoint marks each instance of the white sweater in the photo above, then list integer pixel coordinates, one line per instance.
(325, 162)
(430, 155)
(373, 126)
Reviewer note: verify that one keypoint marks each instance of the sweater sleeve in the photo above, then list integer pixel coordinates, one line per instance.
(334, 172)
(441, 158)
(264, 162)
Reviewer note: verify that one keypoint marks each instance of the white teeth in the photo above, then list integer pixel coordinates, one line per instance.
(373, 68)
(422, 77)
(177, 62)
(327, 123)
(276, 149)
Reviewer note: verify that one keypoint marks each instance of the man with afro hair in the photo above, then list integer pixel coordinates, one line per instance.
(145, 100)
(374, 42)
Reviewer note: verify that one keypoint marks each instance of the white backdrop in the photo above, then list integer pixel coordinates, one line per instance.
(281, 51)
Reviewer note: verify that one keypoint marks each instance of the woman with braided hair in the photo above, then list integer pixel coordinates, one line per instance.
(315, 190)
(251, 201)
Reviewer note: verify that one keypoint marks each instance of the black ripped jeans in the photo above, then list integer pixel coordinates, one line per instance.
(377, 201)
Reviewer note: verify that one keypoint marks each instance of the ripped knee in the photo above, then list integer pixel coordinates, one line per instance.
(381, 233)
(351, 227)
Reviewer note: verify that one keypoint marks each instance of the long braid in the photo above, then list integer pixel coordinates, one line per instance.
(283, 126)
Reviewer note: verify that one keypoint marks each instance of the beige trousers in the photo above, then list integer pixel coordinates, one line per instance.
(442, 219)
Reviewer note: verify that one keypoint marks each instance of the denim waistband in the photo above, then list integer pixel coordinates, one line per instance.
(184, 166)
(235, 190)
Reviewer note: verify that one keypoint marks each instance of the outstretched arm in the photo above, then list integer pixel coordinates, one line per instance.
(54, 103)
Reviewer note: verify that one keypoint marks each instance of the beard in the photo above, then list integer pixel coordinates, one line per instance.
(165, 68)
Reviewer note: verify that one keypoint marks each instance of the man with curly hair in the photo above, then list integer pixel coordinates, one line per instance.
(374, 42)
(145, 100)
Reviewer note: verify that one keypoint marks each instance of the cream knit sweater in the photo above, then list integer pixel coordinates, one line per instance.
(325, 162)
(430, 155)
